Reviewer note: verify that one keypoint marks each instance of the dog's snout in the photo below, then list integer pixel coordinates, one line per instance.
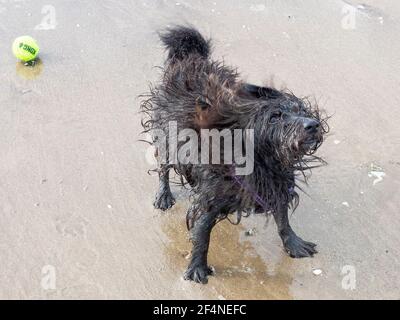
(310, 125)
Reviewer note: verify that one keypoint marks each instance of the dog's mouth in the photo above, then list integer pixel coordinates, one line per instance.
(311, 143)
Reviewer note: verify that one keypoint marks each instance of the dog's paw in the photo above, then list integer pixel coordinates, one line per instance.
(298, 248)
(164, 200)
(198, 273)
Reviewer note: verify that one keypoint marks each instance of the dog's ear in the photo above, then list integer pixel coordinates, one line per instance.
(252, 91)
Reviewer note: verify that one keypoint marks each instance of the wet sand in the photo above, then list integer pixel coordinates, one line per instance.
(74, 189)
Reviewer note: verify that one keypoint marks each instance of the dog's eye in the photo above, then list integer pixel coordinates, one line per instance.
(296, 109)
(276, 116)
(203, 103)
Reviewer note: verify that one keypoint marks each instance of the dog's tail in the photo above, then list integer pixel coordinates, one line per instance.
(181, 41)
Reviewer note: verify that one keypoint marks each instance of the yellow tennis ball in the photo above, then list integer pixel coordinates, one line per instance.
(25, 48)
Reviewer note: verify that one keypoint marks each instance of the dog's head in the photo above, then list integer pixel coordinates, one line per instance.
(288, 128)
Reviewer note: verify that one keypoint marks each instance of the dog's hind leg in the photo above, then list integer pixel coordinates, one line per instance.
(164, 199)
(198, 270)
(294, 245)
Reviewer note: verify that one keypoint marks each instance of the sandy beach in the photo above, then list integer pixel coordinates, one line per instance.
(76, 214)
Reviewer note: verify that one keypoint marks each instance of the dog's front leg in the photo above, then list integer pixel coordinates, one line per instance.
(164, 199)
(294, 245)
(198, 270)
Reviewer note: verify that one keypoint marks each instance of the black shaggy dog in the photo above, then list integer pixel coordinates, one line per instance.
(199, 93)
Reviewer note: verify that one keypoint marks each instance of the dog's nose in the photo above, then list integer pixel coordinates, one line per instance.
(310, 125)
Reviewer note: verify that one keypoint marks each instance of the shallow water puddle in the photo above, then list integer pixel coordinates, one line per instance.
(29, 72)
(240, 273)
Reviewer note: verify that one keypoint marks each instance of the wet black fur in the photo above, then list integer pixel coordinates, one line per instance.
(197, 93)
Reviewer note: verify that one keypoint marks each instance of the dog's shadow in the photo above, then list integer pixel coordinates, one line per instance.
(240, 273)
